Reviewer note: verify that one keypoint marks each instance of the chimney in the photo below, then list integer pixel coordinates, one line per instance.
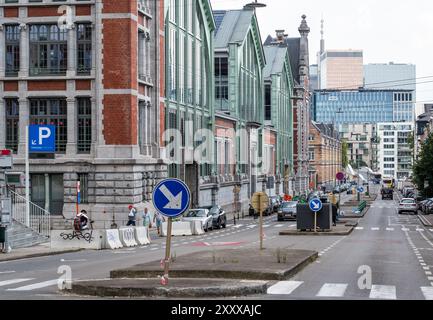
(280, 36)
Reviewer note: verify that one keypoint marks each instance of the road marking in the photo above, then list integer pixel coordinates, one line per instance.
(332, 290)
(284, 287)
(431, 230)
(153, 249)
(428, 273)
(39, 285)
(78, 260)
(420, 230)
(13, 281)
(266, 226)
(427, 292)
(359, 228)
(430, 278)
(375, 229)
(405, 229)
(383, 292)
(6, 272)
(279, 226)
(389, 229)
(252, 226)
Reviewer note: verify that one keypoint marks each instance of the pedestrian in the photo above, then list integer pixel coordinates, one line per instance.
(132, 216)
(146, 219)
(159, 219)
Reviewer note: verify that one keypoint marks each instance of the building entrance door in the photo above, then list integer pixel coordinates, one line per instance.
(47, 192)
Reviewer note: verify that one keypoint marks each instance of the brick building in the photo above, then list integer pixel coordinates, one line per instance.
(324, 153)
(98, 76)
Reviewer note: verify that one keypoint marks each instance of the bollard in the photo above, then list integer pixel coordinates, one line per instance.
(234, 219)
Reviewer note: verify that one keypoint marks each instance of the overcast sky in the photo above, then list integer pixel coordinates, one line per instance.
(387, 30)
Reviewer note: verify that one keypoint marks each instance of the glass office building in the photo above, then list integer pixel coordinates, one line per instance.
(363, 106)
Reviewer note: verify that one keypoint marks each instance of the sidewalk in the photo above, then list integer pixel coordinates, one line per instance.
(41, 250)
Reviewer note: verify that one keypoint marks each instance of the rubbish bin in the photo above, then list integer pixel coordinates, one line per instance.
(2, 234)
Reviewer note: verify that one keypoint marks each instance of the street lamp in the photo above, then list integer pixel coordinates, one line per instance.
(254, 5)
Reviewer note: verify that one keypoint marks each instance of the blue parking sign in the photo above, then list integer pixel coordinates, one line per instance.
(42, 138)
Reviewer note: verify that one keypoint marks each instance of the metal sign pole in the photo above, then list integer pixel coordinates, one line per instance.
(261, 223)
(27, 179)
(167, 249)
(315, 221)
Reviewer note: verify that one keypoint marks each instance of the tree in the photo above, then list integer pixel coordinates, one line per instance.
(344, 151)
(422, 170)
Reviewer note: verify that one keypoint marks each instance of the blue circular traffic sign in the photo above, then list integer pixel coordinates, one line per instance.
(361, 189)
(316, 205)
(171, 197)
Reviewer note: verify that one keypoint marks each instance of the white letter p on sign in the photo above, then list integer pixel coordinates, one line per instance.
(44, 133)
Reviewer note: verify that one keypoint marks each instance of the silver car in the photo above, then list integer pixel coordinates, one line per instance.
(408, 205)
(203, 215)
(287, 210)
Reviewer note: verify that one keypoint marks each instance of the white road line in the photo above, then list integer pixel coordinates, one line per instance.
(35, 286)
(431, 230)
(375, 229)
(284, 287)
(266, 226)
(405, 229)
(383, 292)
(430, 278)
(359, 228)
(6, 272)
(13, 281)
(279, 226)
(78, 260)
(332, 290)
(427, 292)
(428, 273)
(153, 249)
(389, 229)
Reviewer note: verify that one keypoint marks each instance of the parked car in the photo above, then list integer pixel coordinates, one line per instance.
(287, 210)
(202, 215)
(275, 203)
(422, 205)
(219, 218)
(408, 205)
(336, 190)
(426, 206)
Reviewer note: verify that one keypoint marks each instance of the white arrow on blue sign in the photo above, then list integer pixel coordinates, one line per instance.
(361, 189)
(171, 197)
(316, 205)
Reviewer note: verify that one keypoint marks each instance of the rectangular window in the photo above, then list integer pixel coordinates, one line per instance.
(268, 101)
(84, 125)
(51, 111)
(48, 50)
(12, 124)
(84, 48)
(84, 187)
(12, 50)
(221, 83)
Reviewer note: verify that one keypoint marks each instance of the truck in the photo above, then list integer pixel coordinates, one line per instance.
(388, 186)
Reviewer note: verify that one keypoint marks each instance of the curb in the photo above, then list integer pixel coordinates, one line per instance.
(331, 233)
(37, 255)
(92, 289)
(219, 274)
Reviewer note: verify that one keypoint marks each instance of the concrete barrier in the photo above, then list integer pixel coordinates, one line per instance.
(127, 236)
(142, 235)
(112, 239)
(197, 227)
(179, 228)
(70, 239)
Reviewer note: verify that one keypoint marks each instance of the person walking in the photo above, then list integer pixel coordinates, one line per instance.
(146, 219)
(132, 216)
(159, 219)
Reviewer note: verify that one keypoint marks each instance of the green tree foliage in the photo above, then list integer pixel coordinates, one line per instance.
(423, 168)
(344, 151)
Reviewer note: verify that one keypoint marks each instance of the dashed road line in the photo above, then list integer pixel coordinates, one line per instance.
(383, 292)
(284, 287)
(332, 290)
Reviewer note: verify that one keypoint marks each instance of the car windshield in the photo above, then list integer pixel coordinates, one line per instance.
(214, 211)
(289, 204)
(408, 201)
(196, 213)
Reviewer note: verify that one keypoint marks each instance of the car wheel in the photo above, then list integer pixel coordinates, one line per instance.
(219, 224)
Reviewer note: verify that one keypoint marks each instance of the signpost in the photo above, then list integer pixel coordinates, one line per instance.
(172, 198)
(315, 205)
(39, 139)
(260, 202)
(340, 177)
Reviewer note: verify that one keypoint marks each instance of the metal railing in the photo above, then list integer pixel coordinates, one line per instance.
(39, 220)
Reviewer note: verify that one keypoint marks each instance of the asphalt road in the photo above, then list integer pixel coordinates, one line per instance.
(397, 249)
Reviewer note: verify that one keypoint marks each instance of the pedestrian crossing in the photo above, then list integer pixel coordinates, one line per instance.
(340, 290)
(23, 284)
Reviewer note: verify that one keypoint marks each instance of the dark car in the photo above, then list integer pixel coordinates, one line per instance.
(287, 210)
(219, 218)
(387, 193)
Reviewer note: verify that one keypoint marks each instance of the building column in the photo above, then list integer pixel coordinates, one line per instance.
(72, 49)
(71, 146)
(2, 52)
(24, 119)
(2, 124)
(94, 127)
(24, 51)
